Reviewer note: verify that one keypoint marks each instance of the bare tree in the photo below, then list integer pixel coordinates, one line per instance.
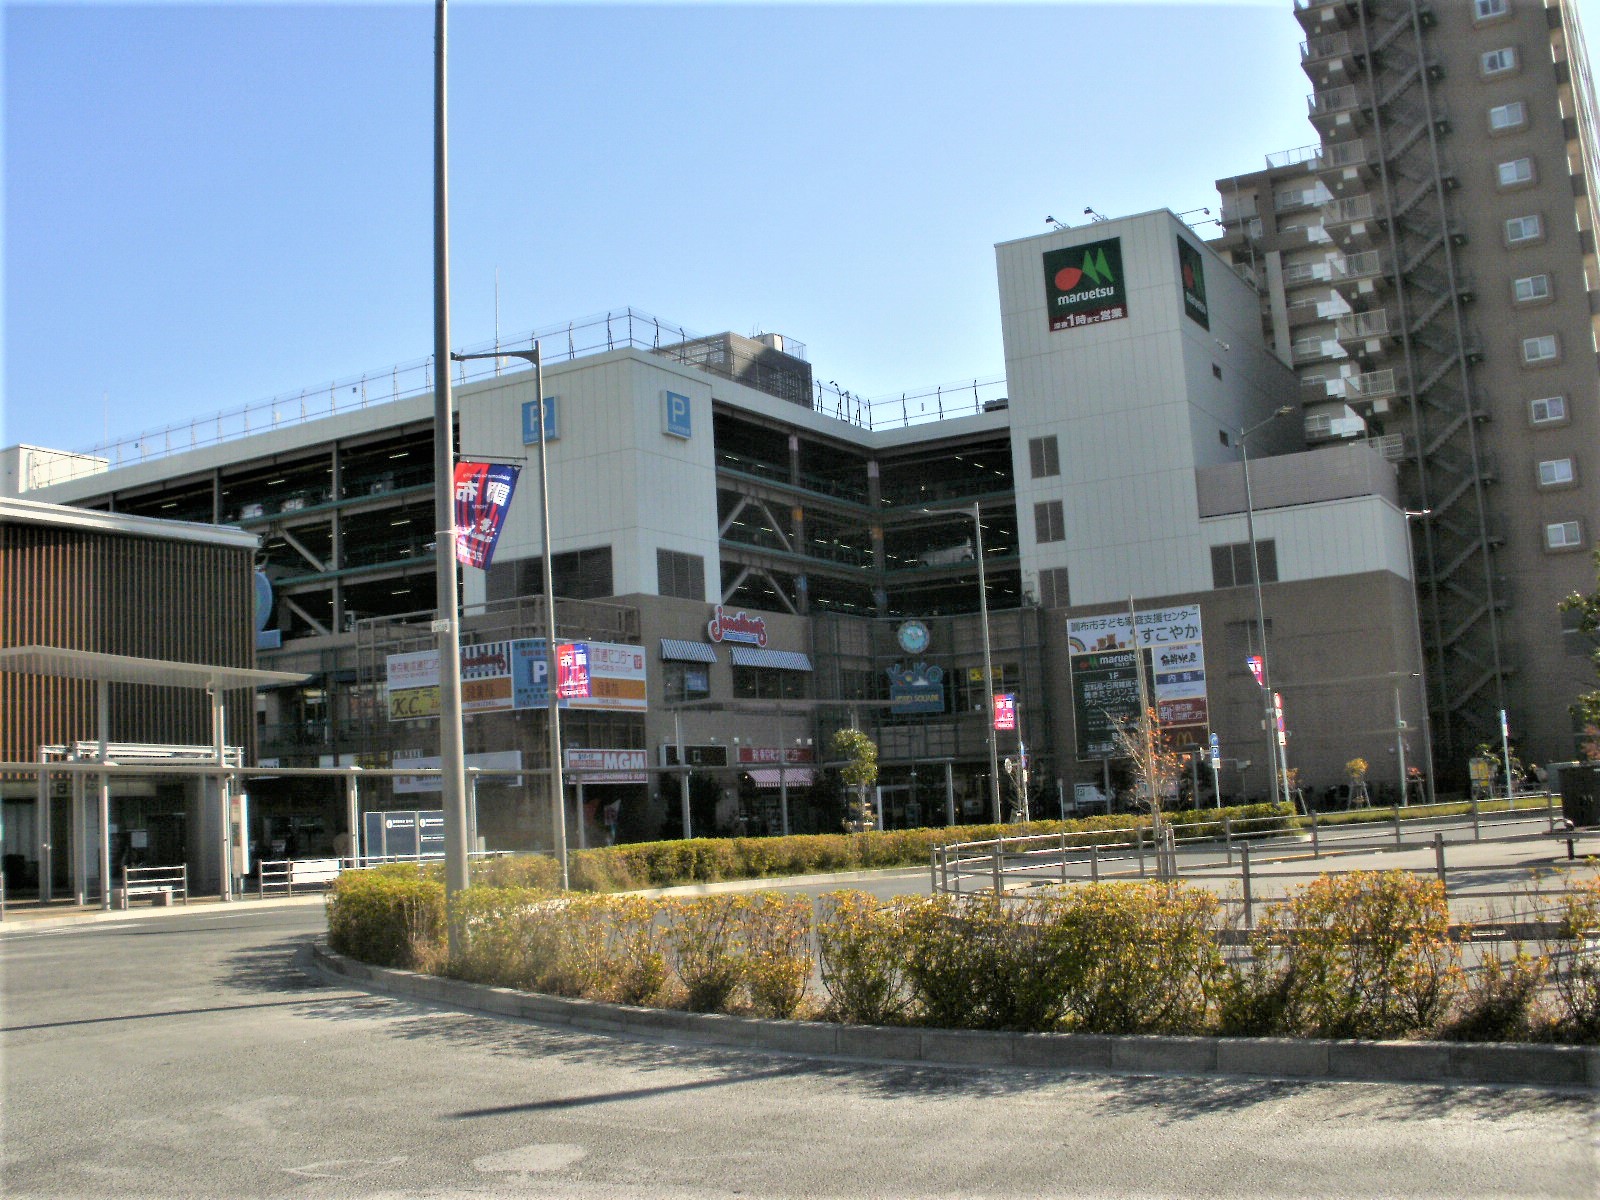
(1157, 771)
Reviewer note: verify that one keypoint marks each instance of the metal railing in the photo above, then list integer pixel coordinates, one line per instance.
(167, 882)
(1222, 848)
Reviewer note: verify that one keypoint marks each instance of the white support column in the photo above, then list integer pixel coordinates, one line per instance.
(352, 812)
(43, 826)
(103, 698)
(80, 842)
(219, 747)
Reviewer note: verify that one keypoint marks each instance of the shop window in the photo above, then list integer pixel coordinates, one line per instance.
(686, 680)
(768, 683)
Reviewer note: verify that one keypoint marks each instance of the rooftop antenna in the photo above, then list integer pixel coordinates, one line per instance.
(1053, 221)
(1092, 215)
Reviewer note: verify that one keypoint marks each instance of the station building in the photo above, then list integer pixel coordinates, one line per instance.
(761, 558)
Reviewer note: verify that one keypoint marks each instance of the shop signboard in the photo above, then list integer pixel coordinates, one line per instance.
(617, 678)
(1083, 285)
(607, 767)
(511, 675)
(736, 627)
(918, 688)
(1192, 281)
(416, 785)
(1105, 676)
(404, 834)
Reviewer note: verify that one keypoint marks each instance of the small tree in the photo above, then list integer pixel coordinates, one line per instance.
(860, 772)
(1356, 768)
(1157, 771)
(1587, 708)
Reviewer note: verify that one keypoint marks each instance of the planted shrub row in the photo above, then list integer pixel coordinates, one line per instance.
(1358, 955)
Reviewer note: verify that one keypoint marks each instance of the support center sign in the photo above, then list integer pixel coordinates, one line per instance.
(1105, 675)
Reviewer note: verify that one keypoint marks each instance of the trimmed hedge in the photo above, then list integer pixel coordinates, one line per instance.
(638, 865)
(391, 916)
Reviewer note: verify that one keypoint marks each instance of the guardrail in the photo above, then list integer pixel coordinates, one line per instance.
(1003, 865)
(284, 875)
(161, 884)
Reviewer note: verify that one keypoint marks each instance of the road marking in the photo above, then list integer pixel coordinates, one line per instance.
(346, 1168)
(535, 1158)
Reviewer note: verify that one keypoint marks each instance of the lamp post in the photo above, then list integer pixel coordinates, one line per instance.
(1277, 753)
(452, 751)
(1422, 662)
(558, 798)
(988, 660)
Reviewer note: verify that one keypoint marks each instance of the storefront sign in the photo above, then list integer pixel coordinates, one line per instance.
(607, 767)
(1083, 285)
(1105, 686)
(918, 688)
(1192, 276)
(737, 627)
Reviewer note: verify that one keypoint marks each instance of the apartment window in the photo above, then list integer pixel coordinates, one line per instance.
(1045, 456)
(1530, 288)
(1539, 349)
(1517, 171)
(1550, 410)
(686, 680)
(1524, 229)
(1508, 116)
(1482, 10)
(680, 575)
(1049, 522)
(1216, 371)
(1053, 588)
(1562, 535)
(1554, 472)
(1230, 565)
(1498, 62)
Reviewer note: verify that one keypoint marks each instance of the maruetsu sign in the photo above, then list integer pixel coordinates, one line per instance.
(1083, 285)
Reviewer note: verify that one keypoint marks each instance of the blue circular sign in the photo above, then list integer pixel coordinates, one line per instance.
(913, 637)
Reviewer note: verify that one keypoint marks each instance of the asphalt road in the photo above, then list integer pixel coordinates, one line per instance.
(185, 1054)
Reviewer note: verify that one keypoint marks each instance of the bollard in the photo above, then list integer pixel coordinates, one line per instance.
(1550, 809)
(1438, 858)
(1094, 861)
(1477, 829)
(1063, 860)
(1227, 835)
(1138, 841)
(1244, 871)
(998, 889)
(1316, 843)
(933, 872)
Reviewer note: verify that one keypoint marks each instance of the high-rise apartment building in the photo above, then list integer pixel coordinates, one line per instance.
(1429, 269)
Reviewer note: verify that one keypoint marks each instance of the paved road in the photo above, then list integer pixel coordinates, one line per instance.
(185, 1054)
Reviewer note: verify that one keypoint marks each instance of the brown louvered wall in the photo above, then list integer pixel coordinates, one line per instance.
(147, 597)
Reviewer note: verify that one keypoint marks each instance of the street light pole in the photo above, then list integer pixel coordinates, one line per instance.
(988, 665)
(1277, 753)
(558, 798)
(1422, 661)
(452, 756)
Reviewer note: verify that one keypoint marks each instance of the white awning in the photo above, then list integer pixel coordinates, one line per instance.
(679, 650)
(768, 777)
(781, 660)
(121, 668)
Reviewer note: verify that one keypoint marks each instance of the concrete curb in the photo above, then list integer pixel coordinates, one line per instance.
(1281, 1058)
(28, 919)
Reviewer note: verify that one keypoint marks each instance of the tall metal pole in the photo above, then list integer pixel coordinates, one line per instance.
(988, 666)
(1400, 743)
(1422, 658)
(683, 772)
(558, 791)
(452, 758)
(1277, 755)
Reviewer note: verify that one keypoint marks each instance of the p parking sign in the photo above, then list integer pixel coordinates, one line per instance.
(675, 416)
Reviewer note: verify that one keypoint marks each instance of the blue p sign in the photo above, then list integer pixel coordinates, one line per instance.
(675, 416)
(530, 421)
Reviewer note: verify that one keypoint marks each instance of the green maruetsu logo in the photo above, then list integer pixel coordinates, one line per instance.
(1083, 284)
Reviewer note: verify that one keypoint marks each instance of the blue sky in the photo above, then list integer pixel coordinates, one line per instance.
(210, 205)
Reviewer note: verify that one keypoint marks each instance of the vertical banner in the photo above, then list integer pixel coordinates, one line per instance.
(483, 494)
(1005, 712)
(572, 671)
(1192, 274)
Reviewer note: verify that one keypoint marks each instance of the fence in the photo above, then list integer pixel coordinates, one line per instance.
(161, 884)
(1230, 853)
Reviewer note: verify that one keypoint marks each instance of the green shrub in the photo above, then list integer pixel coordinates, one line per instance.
(703, 937)
(777, 960)
(1367, 955)
(1501, 1002)
(393, 916)
(951, 948)
(859, 953)
(633, 969)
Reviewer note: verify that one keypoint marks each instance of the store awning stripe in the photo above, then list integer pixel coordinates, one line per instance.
(768, 777)
(781, 660)
(678, 650)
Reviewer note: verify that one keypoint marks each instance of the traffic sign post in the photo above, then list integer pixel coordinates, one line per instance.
(1216, 763)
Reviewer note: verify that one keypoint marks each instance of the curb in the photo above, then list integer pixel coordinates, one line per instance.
(1567, 1067)
(26, 920)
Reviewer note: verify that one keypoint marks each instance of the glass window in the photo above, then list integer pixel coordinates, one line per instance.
(1518, 170)
(1523, 229)
(1508, 116)
(681, 575)
(1531, 287)
(1498, 62)
(1539, 349)
(1049, 523)
(1555, 471)
(1548, 410)
(1482, 9)
(1562, 535)
(1044, 455)
(686, 680)
(1053, 589)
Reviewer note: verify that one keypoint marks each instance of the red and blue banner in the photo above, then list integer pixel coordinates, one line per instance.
(572, 671)
(1005, 711)
(483, 494)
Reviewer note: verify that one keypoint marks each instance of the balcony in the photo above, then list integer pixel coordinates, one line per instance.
(1329, 56)
(1354, 327)
(1301, 273)
(1372, 387)
(1335, 108)
(1339, 215)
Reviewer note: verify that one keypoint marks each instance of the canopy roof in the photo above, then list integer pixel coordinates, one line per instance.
(122, 668)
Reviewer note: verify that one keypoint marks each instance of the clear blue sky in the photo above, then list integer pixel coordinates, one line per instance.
(210, 205)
